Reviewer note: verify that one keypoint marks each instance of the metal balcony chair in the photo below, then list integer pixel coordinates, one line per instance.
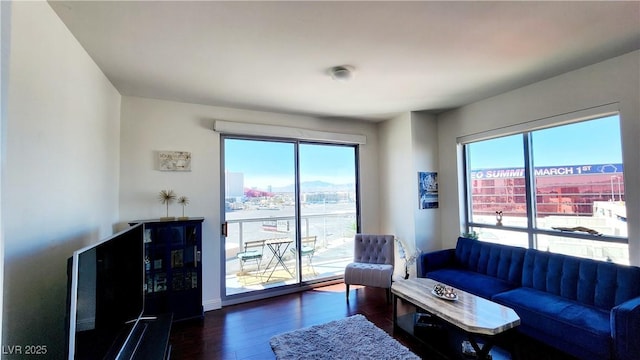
(308, 249)
(372, 262)
(253, 251)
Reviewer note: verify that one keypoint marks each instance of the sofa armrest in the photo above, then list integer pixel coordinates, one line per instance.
(435, 260)
(625, 329)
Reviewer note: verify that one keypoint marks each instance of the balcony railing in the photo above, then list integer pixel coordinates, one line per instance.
(326, 227)
(333, 248)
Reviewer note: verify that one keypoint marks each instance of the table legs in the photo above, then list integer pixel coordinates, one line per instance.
(481, 352)
(278, 254)
(394, 298)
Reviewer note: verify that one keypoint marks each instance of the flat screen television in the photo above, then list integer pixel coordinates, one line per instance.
(106, 297)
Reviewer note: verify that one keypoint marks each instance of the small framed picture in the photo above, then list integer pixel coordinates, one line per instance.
(427, 190)
(174, 161)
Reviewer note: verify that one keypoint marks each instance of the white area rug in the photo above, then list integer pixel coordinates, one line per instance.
(350, 338)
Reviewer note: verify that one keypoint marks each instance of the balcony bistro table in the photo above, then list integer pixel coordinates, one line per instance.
(279, 248)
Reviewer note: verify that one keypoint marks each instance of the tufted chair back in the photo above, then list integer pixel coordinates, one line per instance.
(372, 262)
(373, 249)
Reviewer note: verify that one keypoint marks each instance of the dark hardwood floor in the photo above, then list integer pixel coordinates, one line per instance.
(242, 332)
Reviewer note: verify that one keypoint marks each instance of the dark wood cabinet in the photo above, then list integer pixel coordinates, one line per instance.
(173, 264)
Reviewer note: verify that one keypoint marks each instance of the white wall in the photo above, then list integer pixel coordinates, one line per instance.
(616, 80)
(61, 188)
(154, 125)
(396, 178)
(408, 144)
(424, 140)
(5, 44)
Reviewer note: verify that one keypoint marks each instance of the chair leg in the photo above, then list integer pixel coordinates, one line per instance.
(310, 265)
(347, 292)
(388, 295)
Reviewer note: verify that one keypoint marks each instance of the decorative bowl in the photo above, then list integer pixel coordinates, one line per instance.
(444, 292)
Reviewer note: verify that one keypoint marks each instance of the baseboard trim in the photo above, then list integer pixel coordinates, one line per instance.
(210, 305)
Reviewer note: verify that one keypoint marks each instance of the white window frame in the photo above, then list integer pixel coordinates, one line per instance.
(525, 129)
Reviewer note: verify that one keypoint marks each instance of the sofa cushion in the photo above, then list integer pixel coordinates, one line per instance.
(496, 260)
(472, 282)
(596, 283)
(376, 275)
(435, 260)
(564, 323)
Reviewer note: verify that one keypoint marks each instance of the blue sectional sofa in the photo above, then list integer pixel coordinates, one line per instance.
(586, 308)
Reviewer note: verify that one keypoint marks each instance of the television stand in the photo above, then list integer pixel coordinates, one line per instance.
(154, 343)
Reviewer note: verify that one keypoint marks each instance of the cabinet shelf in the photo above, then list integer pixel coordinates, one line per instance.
(173, 268)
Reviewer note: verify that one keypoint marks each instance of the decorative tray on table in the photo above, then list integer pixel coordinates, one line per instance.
(443, 292)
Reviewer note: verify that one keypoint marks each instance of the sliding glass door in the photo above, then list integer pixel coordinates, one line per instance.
(328, 211)
(290, 213)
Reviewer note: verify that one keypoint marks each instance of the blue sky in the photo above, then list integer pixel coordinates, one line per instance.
(267, 163)
(272, 163)
(588, 142)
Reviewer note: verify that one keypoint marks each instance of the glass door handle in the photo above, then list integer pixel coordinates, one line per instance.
(224, 229)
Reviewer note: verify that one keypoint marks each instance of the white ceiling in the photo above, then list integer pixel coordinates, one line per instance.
(408, 56)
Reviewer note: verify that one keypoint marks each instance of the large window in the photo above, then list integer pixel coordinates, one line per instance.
(559, 189)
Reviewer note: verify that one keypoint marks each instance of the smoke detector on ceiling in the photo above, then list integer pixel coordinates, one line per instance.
(342, 73)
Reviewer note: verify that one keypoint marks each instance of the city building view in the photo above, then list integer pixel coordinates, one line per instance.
(588, 198)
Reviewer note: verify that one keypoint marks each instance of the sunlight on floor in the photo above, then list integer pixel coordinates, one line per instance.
(337, 288)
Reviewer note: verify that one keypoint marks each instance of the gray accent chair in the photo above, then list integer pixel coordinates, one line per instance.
(372, 262)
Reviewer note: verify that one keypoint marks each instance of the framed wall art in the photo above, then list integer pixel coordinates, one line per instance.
(174, 161)
(427, 190)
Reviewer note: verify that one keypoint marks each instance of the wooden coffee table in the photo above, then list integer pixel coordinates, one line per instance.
(476, 316)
